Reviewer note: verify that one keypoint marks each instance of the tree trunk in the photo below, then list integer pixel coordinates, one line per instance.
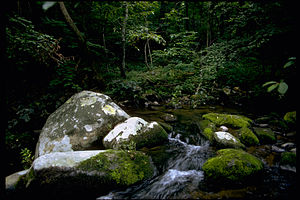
(122, 67)
(71, 23)
(187, 27)
(149, 52)
(145, 52)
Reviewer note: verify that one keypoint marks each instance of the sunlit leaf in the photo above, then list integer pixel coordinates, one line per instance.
(282, 88)
(272, 87)
(269, 83)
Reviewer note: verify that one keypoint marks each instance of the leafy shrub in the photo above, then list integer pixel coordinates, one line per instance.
(27, 158)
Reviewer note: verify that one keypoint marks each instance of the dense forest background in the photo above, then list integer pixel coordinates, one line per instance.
(179, 53)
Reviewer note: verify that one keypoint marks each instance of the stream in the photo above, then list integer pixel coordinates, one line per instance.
(179, 164)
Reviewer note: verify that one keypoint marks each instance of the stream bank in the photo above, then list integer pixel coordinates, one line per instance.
(179, 163)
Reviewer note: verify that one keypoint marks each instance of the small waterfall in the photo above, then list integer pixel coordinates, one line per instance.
(181, 175)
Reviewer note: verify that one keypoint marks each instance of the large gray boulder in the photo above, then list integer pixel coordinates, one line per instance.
(135, 133)
(79, 124)
(84, 174)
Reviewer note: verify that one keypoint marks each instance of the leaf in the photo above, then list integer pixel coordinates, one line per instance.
(288, 64)
(48, 4)
(283, 87)
(268, 83)
(272, 87)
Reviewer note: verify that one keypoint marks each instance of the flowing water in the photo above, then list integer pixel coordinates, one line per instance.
(179, 164)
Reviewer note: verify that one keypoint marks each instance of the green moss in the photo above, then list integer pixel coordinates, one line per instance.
(150, 137)
(247, 137)
(288, 158)
(232, 165)
(290, 117)
(235, 121)
(207, 129)
(121, 167)
(209, 134)
(265, 135)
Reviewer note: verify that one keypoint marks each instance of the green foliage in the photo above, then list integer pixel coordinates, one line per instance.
(27, 158)
(281, 86)
(65, 76)
(26, 45)
(181, 49)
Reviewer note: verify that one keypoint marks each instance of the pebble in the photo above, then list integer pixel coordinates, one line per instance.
(288, 145)
(294, 150)
(277, 149)
(263, 125)
(224, 128)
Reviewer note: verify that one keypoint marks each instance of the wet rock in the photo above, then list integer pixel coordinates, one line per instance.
(277, 149)
(294, 150)
(291, 134)
(169, 117)
(265, 135)
(12, 180)
(135, 133)
(226, 140)
(85, 174)
(288, 145)
(80, 123)
(263, 125)
(223, 128)
(288, 161)
(232, 165)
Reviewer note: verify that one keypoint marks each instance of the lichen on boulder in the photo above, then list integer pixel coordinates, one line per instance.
(234, 121)
(226, 140)
(135, 133)
(232, 165)
(80, 123)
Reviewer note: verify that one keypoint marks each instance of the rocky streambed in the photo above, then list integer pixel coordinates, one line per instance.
(91, 148)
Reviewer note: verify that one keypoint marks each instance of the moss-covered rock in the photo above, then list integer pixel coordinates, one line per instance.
(83, 174)
(207, 129)
(135, 133)
(290, 117)
(265, 135)
(231, 165)
(234, 121)
(247, 137)
(80, 123)
(121, 167)
(226, 140)
(288, 158)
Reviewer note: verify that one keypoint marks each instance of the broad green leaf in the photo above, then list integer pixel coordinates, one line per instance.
(288, 64)
(272, 87)
(282, 88)
(268, 83)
